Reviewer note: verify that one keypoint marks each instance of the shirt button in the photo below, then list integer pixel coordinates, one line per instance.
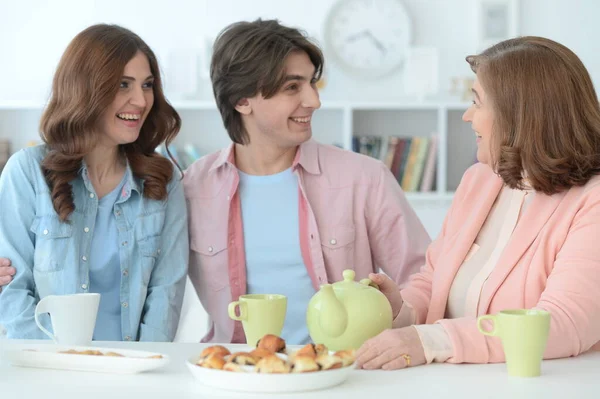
(124, 243)
(333, 241)
(91, 195)
(86, 229)
(84, 258)
(228, 198)
(84, 286)
(46, 232)
(125, 273)
(127, 338)
(124, 304)
(118, 213)
(210, 249)
(158, 250)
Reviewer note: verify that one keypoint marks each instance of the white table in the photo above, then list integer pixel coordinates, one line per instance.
(572, 378)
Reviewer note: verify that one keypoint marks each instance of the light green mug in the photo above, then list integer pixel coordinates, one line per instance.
(524, 334)
(260, 314)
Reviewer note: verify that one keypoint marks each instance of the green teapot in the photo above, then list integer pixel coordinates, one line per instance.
(345, 314)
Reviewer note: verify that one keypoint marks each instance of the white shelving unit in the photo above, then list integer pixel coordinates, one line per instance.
(334, 123)
(337, 123)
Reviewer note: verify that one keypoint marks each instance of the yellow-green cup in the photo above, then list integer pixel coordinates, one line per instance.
(524, 334)
(260, 314)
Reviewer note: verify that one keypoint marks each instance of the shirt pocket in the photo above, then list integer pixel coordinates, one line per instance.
(337, 244)
(52, 243)
(209, 259)
(148, 229)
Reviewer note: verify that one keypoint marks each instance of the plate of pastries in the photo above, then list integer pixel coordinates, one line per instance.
(271, 366)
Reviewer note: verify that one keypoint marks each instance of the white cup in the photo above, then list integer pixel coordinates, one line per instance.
(73, 317)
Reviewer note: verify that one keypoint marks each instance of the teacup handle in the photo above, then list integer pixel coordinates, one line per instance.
(43, 307)
(494, 331)
(243, 310)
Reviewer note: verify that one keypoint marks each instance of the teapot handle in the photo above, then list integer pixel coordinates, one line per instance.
(368, 282)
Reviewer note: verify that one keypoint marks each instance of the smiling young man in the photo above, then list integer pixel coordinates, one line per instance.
(277, 212)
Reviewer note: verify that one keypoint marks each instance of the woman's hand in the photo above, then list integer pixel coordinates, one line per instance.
(390, 289)
(392, 350)
(6, 272)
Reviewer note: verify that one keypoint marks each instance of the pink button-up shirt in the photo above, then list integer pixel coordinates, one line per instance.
(352, 212)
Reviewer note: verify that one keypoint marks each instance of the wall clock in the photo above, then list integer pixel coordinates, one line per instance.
(368, 38)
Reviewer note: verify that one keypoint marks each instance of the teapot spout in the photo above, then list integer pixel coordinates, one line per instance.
(333, 317)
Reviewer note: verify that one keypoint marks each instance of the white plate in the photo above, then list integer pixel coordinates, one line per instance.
(258, 382)
(49, 356)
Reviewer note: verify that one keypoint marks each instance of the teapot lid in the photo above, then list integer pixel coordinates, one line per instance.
(349, 282)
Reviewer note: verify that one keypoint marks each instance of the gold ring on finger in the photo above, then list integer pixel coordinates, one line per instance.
(406, 359)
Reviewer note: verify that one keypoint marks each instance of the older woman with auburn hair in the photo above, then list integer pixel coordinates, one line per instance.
(95, 208)
(523, 226)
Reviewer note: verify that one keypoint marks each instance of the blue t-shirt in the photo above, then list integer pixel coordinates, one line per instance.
(105, 269)
(274, 263)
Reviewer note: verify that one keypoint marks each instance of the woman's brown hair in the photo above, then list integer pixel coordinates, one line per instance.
(85, 84)
(249, 59)
(546, 114)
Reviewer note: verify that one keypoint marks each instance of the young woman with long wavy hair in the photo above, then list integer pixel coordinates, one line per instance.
(95, 208)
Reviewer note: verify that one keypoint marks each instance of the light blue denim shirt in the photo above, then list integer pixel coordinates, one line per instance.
(51, 257)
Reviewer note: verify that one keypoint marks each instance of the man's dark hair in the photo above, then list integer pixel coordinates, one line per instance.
(248, 59)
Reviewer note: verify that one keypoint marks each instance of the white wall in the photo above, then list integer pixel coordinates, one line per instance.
(33, 34)
(576, 24)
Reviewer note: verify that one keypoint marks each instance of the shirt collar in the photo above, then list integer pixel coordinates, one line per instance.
(307, 157)
(131, 182)
(225, 157)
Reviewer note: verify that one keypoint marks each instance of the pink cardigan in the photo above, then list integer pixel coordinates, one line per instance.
(551, 262)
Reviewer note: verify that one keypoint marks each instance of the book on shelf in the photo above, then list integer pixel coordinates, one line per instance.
(402, 161)
(428, 180)
(412, 160)
(367, 145)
